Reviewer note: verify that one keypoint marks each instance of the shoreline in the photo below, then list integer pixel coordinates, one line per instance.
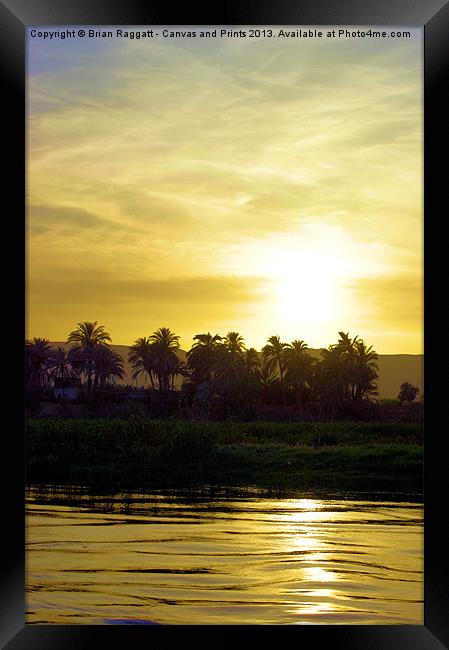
(168, 454)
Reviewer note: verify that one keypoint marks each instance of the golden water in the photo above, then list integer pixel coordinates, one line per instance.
(222, 559)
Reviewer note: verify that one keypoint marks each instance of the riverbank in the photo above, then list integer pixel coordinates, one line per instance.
(343, 456)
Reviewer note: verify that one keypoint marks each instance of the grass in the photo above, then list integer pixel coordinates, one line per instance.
(168, 453)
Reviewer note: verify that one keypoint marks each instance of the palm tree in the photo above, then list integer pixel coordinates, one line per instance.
(140, 358)
(252, 361)
(298, 366)
(268, 382)
(359, 365)
(365, 370)
(234, 343)
(89, 334)
(348, 370)
(345, 349)
(274, 358)
(333, 376)
(229, 363)
(164, 347)
(202, 357)
(345, 344)
(60, 366)
(177, 369)
(165, 337)
(37, 353)
(108, 366)
(87, 337)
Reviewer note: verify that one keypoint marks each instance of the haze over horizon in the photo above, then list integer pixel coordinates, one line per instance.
(267, 186)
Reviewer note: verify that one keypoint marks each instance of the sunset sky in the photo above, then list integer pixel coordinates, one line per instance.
(268, 186)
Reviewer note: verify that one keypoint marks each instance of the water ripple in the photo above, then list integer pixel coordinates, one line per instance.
(136, 560)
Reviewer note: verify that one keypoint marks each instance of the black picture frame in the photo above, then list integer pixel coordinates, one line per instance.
(15, 16)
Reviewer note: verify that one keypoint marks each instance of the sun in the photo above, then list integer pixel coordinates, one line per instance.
(306, 287)
(308, 275)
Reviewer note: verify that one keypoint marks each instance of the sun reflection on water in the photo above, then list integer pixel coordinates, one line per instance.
(308, 504)
(311, 601)
(299, 561)
(317, 574)
(306, 510)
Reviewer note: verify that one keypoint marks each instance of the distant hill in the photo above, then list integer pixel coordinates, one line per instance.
(394, 369)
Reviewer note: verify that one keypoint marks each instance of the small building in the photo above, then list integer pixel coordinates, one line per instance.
(68, 388)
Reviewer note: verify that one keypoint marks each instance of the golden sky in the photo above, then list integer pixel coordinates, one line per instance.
(268, 186)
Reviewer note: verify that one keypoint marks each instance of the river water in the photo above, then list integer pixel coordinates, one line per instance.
(216, 557)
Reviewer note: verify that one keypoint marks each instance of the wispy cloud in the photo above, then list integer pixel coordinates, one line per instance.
(162, 159)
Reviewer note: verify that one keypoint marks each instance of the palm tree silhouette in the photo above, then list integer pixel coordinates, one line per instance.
(252, 361)
(234, 343)
(202, 357)
(298, 366)
(274, 358)
(87, 337)
(139, 356)
(164, 347)
(89, 334)
(347, 371)
(37, 354)
(365, 370)
(178, 368)
(60, 366)
(346, 374)
(268, 381)
(108, 366)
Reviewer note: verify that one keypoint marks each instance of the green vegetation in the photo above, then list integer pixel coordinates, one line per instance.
(169, 453)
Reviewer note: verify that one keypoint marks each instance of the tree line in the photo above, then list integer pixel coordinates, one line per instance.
(219, 371)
